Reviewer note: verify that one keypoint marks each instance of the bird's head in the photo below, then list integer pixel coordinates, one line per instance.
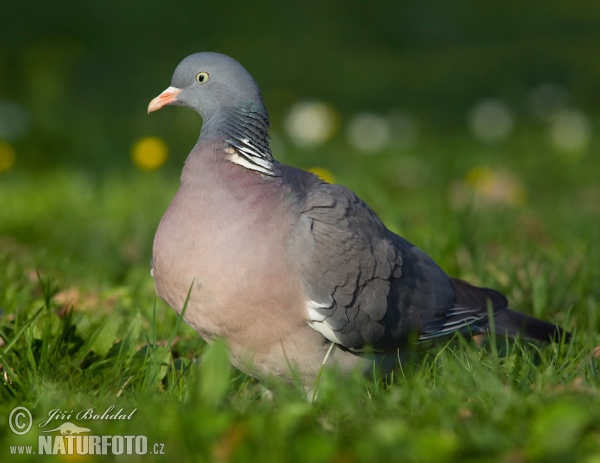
(209, 83)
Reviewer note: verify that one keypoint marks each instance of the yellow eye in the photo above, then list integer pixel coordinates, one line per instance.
(202, 77)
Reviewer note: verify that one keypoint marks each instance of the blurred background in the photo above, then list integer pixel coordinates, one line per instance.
(76, 77)
(451, 105)
(470, 127)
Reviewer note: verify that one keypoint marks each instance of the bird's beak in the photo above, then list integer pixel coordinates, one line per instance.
(165, 98)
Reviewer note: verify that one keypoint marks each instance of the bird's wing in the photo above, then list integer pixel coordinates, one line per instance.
(367, 287)
(469, 312)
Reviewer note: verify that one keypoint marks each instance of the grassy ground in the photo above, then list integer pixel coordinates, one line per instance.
(80, 326)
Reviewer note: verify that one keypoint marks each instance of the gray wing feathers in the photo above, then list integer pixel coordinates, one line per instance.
(369, 287)
(468, 313)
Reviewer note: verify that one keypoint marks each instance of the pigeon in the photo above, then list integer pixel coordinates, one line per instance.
(292, 272)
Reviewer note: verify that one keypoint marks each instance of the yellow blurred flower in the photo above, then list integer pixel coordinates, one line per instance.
(149, 153)
(7, 156)
(324, 174)
(498, 187)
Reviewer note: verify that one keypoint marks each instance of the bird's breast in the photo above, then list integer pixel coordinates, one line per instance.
(227, 250)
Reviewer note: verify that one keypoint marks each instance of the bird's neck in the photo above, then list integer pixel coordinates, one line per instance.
(246, 129)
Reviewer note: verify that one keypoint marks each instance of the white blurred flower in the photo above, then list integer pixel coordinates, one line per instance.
(310, 123)
(369, 133)
(570, 131)
(14, 120)
(404, 129)
(547, 99)
(491, 120)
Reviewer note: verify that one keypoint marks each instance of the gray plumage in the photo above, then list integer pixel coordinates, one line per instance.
(282, 264)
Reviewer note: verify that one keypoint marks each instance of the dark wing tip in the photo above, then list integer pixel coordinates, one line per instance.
(517, 324)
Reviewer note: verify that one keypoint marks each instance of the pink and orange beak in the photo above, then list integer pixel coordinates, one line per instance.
(165, 98)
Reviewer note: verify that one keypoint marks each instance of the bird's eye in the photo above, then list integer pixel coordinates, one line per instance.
(202, 77)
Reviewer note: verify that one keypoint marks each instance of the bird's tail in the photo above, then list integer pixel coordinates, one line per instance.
(508, 322)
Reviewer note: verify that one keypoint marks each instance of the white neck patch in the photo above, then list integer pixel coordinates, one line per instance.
(248, 159)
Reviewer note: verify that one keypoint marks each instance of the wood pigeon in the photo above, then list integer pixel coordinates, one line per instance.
(288, 269)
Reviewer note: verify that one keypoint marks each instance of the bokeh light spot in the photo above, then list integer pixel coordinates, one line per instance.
(149, 153)
(369, 133)
(324, 174)
(7, 156)
(571, 132)
(491, 121)
(495, 187)
(310, 123)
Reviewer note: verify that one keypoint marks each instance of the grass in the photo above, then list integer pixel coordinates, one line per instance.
(81, 328)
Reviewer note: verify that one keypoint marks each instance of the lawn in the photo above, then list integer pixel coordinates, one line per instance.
(81, 327)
